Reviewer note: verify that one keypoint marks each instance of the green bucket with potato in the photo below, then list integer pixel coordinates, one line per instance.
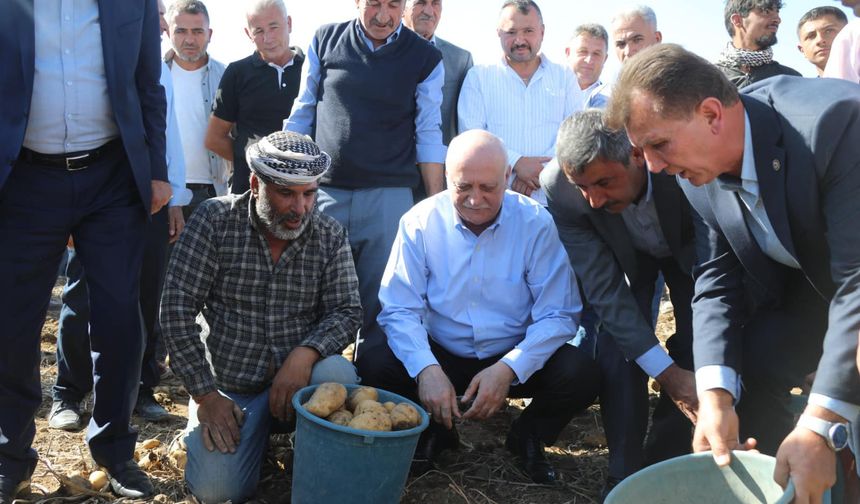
(341, 465)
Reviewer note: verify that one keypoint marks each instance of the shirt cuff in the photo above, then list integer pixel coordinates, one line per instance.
(418, 361)
(181, 196)
(718, 377)
(296, 127)
(844, 409)
(654, 361)
(430, 153)
(515, 359)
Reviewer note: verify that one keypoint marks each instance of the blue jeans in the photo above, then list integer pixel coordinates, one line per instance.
(218, 477)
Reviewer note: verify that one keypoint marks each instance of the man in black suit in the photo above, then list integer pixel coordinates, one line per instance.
(773, 174)
(83, 154)
(620, 223)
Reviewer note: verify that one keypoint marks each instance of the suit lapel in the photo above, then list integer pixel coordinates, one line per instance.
(770, 168)
(107, 22)
(27, 39)
(667, 200)
(727, 210)
(613, 231)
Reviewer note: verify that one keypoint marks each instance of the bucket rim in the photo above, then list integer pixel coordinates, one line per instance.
(322, 422)
(742, 456)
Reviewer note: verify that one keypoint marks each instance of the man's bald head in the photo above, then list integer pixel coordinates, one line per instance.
(477, 166)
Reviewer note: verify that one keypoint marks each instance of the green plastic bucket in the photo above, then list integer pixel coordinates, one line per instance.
(748, 479)
(340, 465)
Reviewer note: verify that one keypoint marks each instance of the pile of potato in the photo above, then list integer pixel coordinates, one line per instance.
(361, 410)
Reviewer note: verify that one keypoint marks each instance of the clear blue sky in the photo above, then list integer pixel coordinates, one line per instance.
(471, 24)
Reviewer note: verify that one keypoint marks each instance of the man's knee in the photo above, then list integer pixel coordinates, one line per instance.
(218, 477)
(334, 368)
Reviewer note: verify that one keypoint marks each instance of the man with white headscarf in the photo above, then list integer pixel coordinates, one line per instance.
(275, 282)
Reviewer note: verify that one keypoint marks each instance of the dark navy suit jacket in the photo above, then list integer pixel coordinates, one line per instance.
(602, 254)
(806, 137)
(131, 49)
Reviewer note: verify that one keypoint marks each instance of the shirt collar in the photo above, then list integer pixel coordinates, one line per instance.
(748, 180)
(458, 221)
(391, 38)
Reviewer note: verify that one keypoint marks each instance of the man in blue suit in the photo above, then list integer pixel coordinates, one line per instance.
(773, 174)
(82, 155)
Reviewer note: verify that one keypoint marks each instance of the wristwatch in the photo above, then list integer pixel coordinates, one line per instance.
(834, 433)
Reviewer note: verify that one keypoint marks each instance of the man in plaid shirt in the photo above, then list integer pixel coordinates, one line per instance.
(275, 282)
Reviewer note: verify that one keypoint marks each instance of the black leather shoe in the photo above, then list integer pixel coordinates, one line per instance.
(10, 490)
(129, 480)
(611, 482)
(525, 444)
(431, 443)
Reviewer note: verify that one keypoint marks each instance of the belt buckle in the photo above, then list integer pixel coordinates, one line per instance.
(69, 166)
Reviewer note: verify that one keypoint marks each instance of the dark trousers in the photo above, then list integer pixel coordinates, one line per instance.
(568, 383)
(624, 403)
(74, 363)
(39, 208)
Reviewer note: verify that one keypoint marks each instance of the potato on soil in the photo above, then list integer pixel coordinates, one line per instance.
(98, 480)
(340, 417)
(389, 405)
(369, 405)
(372, 421)
(179, 458)
(404, 416)
(361, 394)
(326, 399)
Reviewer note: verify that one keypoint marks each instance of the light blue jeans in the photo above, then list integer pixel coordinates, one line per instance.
(217, 477)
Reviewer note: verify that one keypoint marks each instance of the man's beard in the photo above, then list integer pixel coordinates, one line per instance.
(766, 41)
(273, 221)
(190, 59)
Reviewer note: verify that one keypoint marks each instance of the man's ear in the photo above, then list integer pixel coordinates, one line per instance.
(255, 184)
(712, 110)
(659, 36)
(637, 156)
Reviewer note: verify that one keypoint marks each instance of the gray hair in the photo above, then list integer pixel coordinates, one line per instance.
(633, 11)
(186, 7)
(256, 6)
(585, 137)
(593, 30)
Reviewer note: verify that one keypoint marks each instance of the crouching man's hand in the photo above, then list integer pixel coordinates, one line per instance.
(220, 420)
(437, 395)
(489, 389)
(294, 374)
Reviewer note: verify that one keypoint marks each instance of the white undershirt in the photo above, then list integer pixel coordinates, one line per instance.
(192, 117)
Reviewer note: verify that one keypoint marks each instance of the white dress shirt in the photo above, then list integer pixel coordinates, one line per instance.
(525, 116)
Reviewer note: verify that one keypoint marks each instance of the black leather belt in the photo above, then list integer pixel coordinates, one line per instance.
(70, 161)
(195, 187)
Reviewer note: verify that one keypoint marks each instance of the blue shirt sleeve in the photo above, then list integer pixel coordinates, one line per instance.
(302, 117)
(556, 304)
(428, 119)
(402, 295)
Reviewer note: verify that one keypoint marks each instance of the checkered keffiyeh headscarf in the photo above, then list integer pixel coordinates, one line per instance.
(287, 158)
(735, 58)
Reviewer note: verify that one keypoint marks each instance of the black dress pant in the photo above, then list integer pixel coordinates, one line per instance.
(568, 382)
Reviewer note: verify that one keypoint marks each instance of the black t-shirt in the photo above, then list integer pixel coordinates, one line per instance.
(251, 96)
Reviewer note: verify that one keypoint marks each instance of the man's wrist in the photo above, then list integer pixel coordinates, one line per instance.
(835, 434)
(720, 398)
